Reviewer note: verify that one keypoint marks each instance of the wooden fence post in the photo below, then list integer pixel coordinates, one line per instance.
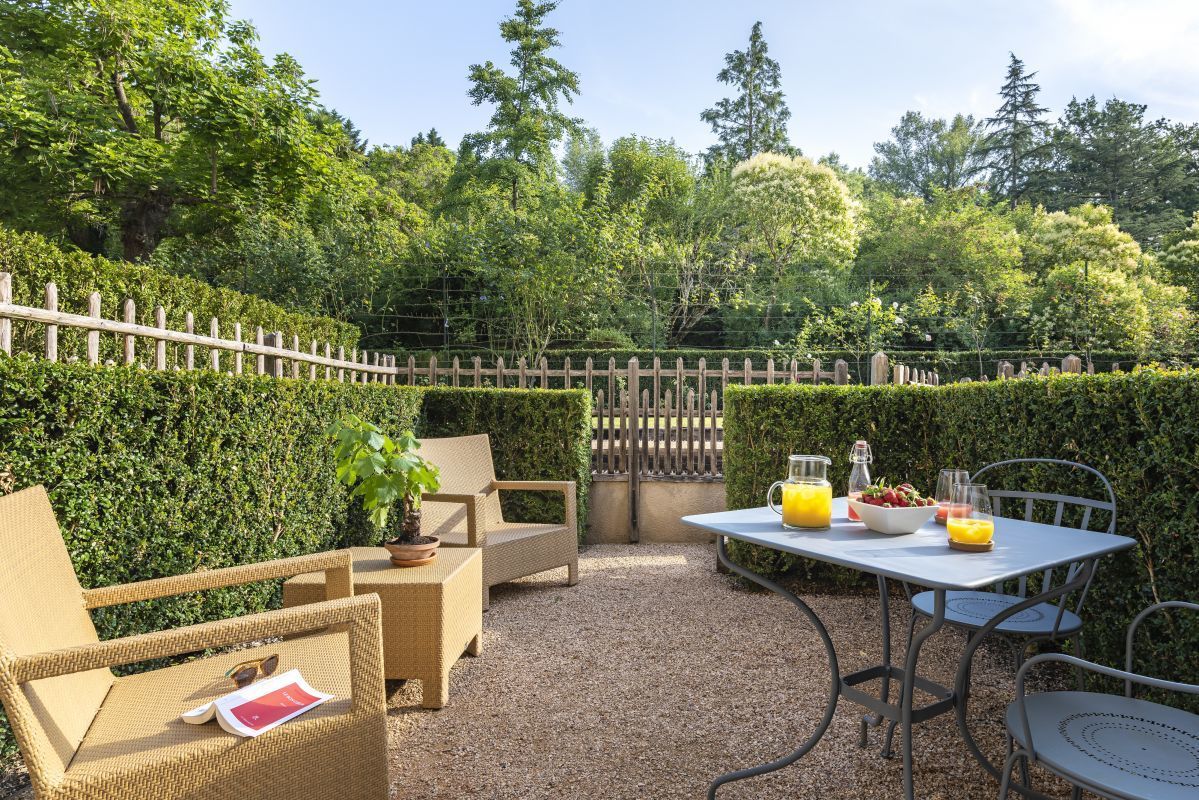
(5, 323)
(130, 341)
(189, 349)
(51, 330)
(878, 368)
(214, 354)
(238, 353)
(841, 372)
(274, 364)
(328, 369)
(312, 365)
(160, 345)
(295, 363)
(632, 433)
(260, 359)
(93, 336)
(341, 357)
(1072, 364)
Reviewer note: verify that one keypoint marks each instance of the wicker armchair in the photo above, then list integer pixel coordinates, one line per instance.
(86, 733)
(466, 513)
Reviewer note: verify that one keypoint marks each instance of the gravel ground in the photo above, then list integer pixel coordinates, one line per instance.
(655, 674)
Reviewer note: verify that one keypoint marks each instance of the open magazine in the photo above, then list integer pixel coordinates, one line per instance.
(260, 706)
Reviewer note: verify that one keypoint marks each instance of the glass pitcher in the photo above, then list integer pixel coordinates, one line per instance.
(807, 494)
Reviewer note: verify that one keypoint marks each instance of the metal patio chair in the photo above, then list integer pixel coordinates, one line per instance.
(1044, 622)
(1115, 746)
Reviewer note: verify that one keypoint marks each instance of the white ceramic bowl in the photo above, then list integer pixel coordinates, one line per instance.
(893, 520)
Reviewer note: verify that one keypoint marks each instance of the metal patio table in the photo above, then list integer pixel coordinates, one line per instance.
(923, 558)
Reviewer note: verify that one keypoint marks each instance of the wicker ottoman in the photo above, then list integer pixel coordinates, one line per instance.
(431, 614)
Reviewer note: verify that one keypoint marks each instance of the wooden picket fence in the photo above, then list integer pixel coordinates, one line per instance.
(268, 353)
(657, 421)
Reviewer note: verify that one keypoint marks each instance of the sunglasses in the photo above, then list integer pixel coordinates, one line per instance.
(247, 672)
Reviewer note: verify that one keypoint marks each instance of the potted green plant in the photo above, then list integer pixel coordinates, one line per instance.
(382, 472)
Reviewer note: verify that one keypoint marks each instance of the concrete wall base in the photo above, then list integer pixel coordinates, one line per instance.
(660, 505)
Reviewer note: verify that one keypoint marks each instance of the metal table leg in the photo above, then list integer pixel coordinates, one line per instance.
(834, 679)
(909, 688)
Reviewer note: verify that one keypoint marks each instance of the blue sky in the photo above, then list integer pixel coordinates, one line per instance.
(850, 68)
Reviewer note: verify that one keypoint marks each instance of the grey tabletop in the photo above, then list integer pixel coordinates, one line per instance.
(923, 557)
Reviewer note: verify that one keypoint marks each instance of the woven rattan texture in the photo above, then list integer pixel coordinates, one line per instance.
(510, 550)
(134, 746)
(431, 614)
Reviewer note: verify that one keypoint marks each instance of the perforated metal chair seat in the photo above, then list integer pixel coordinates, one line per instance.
(975, 609)
(1113, 745)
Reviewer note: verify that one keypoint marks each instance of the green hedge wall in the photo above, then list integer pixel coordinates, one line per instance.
(161, 473)
(535, 435)
(1141, 429)
(34, 262)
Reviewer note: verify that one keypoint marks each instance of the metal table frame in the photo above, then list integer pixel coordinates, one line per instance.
(902, 713)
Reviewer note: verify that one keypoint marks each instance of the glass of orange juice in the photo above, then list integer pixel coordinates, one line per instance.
(948, 479)
(970, 520)
(807, 494)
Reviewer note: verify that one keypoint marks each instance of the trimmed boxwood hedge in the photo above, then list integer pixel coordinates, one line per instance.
(1141, 429)
(34, 262)
(162, 473)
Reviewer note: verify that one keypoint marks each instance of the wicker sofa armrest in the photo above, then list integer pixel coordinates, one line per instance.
(475, 536)
(568, 489)
(363, 615)
(337, 565)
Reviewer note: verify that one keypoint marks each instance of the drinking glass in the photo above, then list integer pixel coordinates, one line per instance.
(970, 520)
(948, 479)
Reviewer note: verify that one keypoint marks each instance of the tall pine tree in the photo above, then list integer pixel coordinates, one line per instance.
(1017, 136)
(755, 121)
(517, 147)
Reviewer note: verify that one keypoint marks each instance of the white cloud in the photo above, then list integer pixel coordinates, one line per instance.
(1149, 49)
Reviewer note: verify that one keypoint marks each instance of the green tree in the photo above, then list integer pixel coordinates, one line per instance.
(798, 218)
(1017, 136)
(1181, 258)
(432, 138)
(527, 120)
(583, 160)
(418, 174)
(136, 117)
(755, 120)
(924, 155)
(1111, 155)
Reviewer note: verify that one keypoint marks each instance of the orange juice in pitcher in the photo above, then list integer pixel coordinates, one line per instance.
(807, 494)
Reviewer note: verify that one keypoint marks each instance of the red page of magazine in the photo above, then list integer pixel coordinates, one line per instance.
(261, 706)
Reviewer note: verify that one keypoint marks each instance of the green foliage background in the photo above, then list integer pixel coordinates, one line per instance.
(34, 262)
(161, 473)
(1140, 429)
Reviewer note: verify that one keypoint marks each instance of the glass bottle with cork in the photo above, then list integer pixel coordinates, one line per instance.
(859, 474)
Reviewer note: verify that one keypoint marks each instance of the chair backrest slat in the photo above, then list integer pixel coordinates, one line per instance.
(1087, 506)
(41, 609)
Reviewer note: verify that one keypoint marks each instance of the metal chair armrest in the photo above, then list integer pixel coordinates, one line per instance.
(338, 566)
(473, 502)
(363, 614)
(1132, 629)
(1111, 672)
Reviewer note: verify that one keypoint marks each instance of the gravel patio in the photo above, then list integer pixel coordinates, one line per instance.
(655, 674)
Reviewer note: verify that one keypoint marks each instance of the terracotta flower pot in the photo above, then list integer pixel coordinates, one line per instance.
(421, 550)
(413, 555)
